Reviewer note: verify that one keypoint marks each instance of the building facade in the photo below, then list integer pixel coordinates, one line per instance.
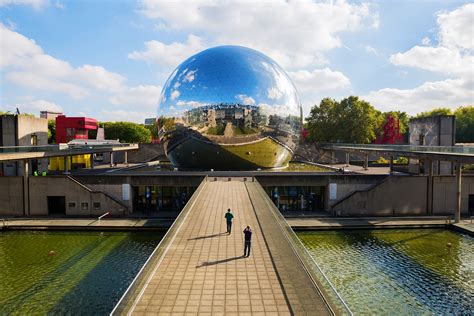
(23, 130)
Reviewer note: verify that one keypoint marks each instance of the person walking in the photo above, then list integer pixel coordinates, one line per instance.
(248, 241)
(229, 217)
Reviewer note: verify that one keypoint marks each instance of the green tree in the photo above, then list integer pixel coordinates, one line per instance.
(127, 132)
(51, 131)
(435, 112)
(351, 120)
(464, 124)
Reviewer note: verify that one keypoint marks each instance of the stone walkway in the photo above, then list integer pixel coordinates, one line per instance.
(203, 271)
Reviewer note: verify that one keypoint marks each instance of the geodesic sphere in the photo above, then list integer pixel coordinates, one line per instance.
(229, 102)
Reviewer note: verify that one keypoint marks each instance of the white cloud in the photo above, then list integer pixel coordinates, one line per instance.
(456, 28)
(426, 41)
(245, 99)
(24, 63)
(143, 96)
(32, 106)
(319, 80)
(372, 50)
(274, 93)
(125, 116)
(452, 57)
(301, 31)
(190, 76)
(436, 59)
(169, 55)
(36, 4)
(449, 93)
(175, 94)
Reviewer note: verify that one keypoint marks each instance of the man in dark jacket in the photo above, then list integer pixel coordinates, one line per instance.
(229, 216)
(248, 241)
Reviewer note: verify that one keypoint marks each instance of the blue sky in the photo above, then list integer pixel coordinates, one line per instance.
(110, 59)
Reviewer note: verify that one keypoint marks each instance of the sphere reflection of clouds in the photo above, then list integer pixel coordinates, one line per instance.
(233, 98)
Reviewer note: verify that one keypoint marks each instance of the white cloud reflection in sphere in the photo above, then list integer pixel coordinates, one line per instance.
(229, 75)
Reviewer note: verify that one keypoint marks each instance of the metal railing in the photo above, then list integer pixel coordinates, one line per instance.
(322, 282)
(464, 150)
(52, 148)
(137, 287)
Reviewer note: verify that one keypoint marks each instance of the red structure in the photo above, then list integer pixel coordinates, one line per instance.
(391, 132)
(69, 128)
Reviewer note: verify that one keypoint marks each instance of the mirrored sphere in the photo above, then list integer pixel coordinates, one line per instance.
(229, 108)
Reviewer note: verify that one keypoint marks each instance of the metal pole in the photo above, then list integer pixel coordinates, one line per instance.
(347, 159)
(391, 164)
(125, 158)
(366, 162)
(457, 215)
(111, 158)
(429, 193)
(26, 193)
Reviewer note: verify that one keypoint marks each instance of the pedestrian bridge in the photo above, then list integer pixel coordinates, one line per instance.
(199, 268)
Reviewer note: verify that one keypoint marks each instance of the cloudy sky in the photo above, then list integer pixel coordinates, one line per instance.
(109, 59)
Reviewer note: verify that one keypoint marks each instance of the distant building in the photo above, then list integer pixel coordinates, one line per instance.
(69, 128)
(23, 130)
(50, 115)
(150, 121)
(437, 130)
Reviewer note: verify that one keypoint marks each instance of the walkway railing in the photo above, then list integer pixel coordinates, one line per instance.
(321, 281)
(130, 298)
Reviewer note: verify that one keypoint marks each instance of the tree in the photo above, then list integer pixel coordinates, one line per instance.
(127, 132)
(351, 120)
(465, 124)
(435, 112)
(51, 131)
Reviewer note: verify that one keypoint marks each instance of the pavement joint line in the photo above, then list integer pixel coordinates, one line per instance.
(137, 299)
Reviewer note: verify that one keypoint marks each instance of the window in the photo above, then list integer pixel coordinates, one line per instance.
(71, 205)
(96, 206)
(421, 140)
(84, 206)
(34, 140)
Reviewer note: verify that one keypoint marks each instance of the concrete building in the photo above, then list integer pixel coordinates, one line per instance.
(23, 130)
(50, 115)
(437, 130)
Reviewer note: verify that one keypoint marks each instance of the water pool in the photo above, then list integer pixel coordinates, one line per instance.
(86, 273)
(401, 272)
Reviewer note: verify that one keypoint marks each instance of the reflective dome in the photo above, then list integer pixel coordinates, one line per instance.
(229, 102)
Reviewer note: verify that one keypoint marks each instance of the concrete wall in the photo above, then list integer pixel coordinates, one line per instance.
(115, 191)
(393, 196)
(436, 131)
(406, 195)
(42, 187)
(11, 196)
(444, 194)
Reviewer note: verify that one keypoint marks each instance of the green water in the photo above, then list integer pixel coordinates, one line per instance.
(87, 273)
(398, 272)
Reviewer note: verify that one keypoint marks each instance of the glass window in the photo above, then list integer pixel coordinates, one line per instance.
(84, 206)
(96, 206)
(71, 205)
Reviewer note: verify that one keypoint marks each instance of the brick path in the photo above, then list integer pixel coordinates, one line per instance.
(204, 272)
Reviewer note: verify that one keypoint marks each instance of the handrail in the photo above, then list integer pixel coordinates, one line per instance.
(279, 218)
(102, 216)
(4, 223)
(145, 269)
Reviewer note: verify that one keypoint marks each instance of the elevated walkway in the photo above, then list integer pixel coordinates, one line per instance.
(199, 268)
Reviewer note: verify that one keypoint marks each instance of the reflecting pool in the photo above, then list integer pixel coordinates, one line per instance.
(403, 272)
(69, 272)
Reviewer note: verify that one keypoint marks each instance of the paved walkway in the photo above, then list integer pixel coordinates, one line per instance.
(203, 271)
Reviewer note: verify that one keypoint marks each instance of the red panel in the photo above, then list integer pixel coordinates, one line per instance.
(78, 127)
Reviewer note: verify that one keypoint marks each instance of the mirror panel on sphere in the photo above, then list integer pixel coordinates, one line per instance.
(229, 108)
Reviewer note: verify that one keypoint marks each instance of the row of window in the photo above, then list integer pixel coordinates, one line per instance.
(84, 206)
